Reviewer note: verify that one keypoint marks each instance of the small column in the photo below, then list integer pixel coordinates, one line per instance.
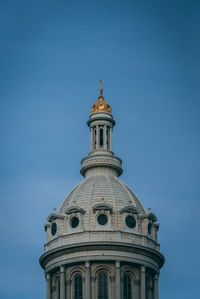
(110, 141)
(156, 286)
(68, 286)
(142, 283)
(136, 289)
(117, 280)
(91, 139)
(62, 282)
(87, 281)
(97, 137)
(48, 286)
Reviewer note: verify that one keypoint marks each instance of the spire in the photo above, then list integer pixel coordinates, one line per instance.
(101, 90)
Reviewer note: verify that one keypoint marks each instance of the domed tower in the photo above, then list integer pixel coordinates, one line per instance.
(101, 243)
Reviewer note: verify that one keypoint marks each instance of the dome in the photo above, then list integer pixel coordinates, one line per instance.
(101, 229)
(101, 189)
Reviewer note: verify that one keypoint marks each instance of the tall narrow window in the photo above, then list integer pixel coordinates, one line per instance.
(127, 286)
(107, 138)
(95, 138)
(102, 285)
(78, 287)
(101, 138)
(147, 287)
(58, 288)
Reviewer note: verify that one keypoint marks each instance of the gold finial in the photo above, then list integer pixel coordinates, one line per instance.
(101, 105)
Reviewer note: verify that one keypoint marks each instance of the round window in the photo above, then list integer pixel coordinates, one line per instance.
(102, 219)
(53, 228)
(74, 222)
(130, 221)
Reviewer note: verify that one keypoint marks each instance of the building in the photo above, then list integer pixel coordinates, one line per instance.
(101, 243)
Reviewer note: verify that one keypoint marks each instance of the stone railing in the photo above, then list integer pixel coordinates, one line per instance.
(104, 236)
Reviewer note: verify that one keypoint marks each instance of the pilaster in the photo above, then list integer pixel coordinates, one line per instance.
(110, 141)
(91, 139)
(87, 281)
(48, 286)
(137, 289)
(62, 282)
(117, 280)
(156, 295)
(142, 283)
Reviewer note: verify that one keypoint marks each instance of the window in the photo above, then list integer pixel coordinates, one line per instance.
(74, 222)
(95, 138)
(107, 138)
(149, 228)
(58, 288)
(130, 221)
(53, 228)
(101, 137)
(102, 219)
(127, 286)
(102, 285)
(78, 287)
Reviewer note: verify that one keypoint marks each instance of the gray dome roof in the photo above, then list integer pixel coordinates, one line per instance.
(98, 189)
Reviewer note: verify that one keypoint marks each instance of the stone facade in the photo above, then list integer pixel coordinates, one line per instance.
(101, 243)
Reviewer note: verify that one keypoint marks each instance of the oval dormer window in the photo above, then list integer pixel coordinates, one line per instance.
(74, 222)
(53, 228)
(130, 221)
(149, 228)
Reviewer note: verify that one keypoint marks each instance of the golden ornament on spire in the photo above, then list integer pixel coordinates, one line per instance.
(101, 105)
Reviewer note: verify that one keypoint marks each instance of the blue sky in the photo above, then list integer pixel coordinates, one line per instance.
(52, 55)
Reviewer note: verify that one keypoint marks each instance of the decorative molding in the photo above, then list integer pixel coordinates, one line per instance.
(74, 209)
(46, 225)
(129, 209)
(102, 206)
(54, 216)
(88, 246)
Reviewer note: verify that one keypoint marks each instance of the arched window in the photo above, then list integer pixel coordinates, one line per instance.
(101, 138)
(102, 285)
(78, 287)
(127, 286)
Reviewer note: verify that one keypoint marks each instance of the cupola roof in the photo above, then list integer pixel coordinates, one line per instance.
(101, 105)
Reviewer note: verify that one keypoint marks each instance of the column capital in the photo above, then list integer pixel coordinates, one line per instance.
(62, 269)
(87, 264)
(142, 269)
(156, 276)
(48, 276)
(117, 264)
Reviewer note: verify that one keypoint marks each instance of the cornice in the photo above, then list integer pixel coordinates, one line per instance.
(87, 246)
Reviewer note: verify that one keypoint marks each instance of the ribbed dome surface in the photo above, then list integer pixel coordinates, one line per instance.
(102, 188)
